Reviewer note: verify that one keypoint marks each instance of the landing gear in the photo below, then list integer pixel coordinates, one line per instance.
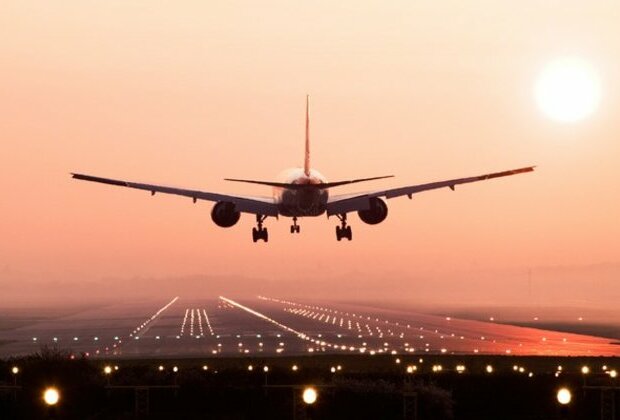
(260, 232)
(294, 226)
(343, 231)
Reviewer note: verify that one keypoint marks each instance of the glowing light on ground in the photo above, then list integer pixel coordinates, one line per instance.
(51, 396)
(309, 395)
(564, 396)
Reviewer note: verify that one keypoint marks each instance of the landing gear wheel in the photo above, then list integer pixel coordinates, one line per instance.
(348, 233)
(260, 232)
(343, 231)
(265, 235)
(254, 234)
(294, 226)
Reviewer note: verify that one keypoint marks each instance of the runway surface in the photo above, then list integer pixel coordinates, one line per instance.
(267, 326)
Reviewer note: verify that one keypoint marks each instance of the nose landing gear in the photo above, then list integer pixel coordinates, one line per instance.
(294, 226)
(343, 231)
(259, 232)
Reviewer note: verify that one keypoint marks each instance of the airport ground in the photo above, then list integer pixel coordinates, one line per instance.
(251, 358)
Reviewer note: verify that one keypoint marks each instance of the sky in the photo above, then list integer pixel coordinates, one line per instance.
(188, 93)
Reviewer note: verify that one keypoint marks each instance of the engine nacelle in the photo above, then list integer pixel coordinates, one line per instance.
(376, 213)
(224, 214)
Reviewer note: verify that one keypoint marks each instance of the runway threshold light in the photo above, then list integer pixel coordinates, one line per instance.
(51, 396)
(564, 396)
(309, 395)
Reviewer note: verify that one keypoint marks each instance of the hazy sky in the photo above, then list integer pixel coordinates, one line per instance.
(187, 93)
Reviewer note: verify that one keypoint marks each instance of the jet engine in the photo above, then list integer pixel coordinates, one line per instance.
(376, 213)
(224, 214)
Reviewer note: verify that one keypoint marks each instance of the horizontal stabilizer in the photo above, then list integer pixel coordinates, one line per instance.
(321, 186)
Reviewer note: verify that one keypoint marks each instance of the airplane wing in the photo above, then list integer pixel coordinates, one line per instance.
(255, 205)
(340, 204)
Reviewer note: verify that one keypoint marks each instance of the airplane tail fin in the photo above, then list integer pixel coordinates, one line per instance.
(307, 154)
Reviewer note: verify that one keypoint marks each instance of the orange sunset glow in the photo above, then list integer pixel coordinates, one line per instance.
(189, 94)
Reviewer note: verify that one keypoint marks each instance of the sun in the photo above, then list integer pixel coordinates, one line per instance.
(568, 90)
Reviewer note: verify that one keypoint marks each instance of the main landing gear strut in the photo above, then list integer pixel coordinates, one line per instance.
(294, 226)
(343, 231)
(259, 232)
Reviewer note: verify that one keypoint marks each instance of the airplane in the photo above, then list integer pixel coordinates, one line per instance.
(302, 192)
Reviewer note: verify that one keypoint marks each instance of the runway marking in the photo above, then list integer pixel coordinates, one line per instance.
(200, 323)
(372, 327)
(317, 341)
(142, 328)
(204, 311)
(184, 322)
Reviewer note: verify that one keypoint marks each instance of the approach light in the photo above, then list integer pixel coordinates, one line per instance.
(564, 396)
(265, 369)
(14, 370)
(294, 368)
(107, 370)
(160, 368)
(309, 395)
(51, 396)
(613, 373)
(585, 370)
(489, 369)
(175, 369)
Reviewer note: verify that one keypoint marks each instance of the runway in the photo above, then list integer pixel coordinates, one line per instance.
(268, 326)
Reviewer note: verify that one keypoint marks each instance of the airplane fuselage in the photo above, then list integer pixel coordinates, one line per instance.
(299, 202)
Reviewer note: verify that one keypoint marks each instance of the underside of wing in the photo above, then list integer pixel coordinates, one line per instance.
(245, 204)
(355, 202)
